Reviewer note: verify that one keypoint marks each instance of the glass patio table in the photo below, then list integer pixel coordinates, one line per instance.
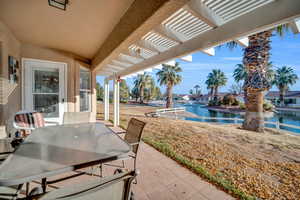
(55, 150)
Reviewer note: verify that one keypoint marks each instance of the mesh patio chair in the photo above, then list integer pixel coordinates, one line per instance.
(116, 187)
(11, 193)
(5, 149)
(26, 121)
(77, 117)
(132, 136)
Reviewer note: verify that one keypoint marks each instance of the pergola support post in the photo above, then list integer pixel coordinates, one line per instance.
(106, 100)
(116, 102)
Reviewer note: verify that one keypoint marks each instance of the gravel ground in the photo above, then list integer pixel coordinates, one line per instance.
(265, 165)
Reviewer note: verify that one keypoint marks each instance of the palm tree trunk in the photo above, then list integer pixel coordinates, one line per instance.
(281, 96)
(211, 93)
(256, 58)
(254, 117)
(169, 97)
(141, 95)
(216, 92)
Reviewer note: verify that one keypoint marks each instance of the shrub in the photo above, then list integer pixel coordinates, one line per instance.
(229, 100)
(242, 105)
(123, 101)
(214, 102)
(236, 103)
(268, 106)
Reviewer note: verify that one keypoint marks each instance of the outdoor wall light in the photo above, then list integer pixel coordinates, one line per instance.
(60, 4)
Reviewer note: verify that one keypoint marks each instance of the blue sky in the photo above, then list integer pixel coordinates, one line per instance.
(285, 51)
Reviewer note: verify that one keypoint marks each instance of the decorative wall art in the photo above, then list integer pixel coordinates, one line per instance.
(13, 69)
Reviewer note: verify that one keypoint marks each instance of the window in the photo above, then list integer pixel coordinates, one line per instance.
(85, 90)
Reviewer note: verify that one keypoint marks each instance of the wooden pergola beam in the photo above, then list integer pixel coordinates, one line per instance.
(140, 18)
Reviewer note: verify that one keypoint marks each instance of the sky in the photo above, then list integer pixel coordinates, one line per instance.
(285, 51)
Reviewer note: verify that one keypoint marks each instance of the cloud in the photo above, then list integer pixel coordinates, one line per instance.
(232, 58)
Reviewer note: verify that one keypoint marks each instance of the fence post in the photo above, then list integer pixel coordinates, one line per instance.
(277, 125)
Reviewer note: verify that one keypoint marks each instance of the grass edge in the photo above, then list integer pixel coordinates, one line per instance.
(198, 169)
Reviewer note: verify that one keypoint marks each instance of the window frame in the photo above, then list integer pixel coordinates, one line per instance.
(88, 91)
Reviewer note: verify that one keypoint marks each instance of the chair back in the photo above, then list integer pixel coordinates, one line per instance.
(27, 121)
(134, 133)
(116, 187)
(77, 117)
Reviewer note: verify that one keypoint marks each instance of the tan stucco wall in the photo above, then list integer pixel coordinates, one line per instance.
(10, 47)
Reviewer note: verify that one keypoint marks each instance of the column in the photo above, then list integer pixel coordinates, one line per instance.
(106, 100)
(93, 96)
(116, 103)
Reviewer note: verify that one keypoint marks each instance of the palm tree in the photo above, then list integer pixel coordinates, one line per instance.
(124, 91)
(135, 93)
(149, 92)
(216, 79)
(210, 87)
(239, 73)
(99, 91)
(197, 87)
(169, 76)
(142, 82)
(284, 77)
(256, 59)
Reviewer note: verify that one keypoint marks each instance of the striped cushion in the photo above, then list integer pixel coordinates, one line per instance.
(29, 120)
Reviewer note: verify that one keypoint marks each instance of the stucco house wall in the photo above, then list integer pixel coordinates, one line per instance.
(11, 46)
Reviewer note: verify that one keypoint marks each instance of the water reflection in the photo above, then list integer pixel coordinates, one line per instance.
(285, 117)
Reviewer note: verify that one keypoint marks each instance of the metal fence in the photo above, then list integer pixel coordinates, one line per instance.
(277, 124)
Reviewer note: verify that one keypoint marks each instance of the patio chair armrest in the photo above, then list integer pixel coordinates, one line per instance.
(121, 132)
(136, 143)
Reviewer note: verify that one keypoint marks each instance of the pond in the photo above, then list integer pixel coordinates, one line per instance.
(286, 117)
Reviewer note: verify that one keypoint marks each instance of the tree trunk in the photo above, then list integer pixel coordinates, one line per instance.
(216, 92)
(254, 117)
(169, 97)
(211, 93)
(256, 58)
(281, 96)
(141, 95)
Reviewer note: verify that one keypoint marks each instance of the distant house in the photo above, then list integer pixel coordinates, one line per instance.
(204, 98)
(291, 98)
(181, 97)
(185, 97)
(207, 97)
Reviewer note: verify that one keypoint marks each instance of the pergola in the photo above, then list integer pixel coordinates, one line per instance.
(178, 29)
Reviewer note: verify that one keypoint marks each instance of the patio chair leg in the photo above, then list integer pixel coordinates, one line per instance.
(44, 185)
(18, 191)
(92, 171)
(27, 189)
(135, 179)
(101, 170)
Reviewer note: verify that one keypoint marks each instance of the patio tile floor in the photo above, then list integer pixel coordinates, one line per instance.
(163, 178)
